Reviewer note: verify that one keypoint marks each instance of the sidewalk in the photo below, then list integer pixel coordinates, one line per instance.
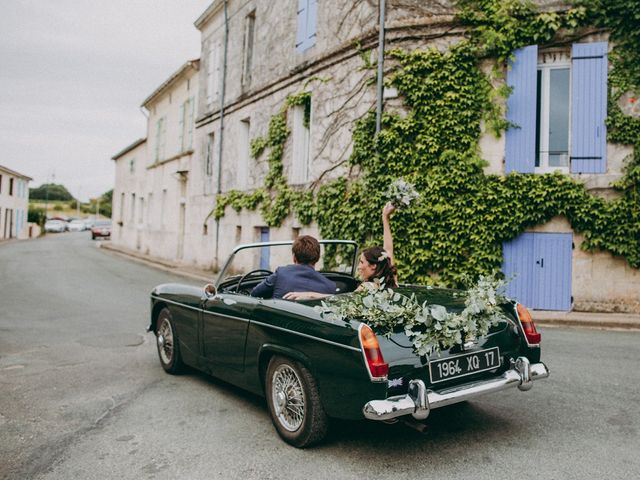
(542, 318)
(205, 276)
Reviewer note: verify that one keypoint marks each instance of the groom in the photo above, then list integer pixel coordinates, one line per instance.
(301, 276)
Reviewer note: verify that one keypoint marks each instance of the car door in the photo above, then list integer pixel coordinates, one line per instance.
(225, 322)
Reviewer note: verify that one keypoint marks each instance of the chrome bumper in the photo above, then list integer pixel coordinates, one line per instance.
(419, 401)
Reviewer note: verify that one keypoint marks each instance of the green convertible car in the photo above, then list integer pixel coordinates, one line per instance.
(310, 367)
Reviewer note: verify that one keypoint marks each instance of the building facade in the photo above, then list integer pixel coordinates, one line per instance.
(150, 201)
(256, 54)
(14, 204)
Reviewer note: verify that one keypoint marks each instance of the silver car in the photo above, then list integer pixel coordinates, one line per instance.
(55, 226)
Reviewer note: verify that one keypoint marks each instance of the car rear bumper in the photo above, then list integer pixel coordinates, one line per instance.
(419, 401)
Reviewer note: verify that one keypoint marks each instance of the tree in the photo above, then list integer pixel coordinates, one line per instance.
(50, 191)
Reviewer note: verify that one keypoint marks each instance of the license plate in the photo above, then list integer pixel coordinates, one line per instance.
(462, 365)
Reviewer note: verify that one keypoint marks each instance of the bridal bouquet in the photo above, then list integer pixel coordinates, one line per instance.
(401, 193)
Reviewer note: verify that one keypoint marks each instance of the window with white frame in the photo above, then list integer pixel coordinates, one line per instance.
(121, 217)
(553, 91)
(132, 165)
(186, 125)
(301, 143)
(558, 108)
(161, 134)
(247, 53)
(213, 72)
(306, 19)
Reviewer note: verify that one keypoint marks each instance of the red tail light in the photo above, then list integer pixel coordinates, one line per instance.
(529, 328)
(378, 369)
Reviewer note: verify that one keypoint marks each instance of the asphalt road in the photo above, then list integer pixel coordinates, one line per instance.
(82, 395)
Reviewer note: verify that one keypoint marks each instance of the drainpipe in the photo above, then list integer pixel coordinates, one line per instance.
(380, 65)
(222, 91)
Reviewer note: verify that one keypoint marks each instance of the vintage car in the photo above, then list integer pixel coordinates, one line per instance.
(311, 368)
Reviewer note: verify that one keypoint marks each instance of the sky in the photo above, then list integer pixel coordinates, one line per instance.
(73, 74)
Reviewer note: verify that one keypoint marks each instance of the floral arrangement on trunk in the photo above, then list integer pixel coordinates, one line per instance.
(430, 327)
(401, 193)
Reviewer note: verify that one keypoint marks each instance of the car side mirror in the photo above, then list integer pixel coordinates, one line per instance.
(210, 290)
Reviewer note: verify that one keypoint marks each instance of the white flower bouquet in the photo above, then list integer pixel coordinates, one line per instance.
(401, 193)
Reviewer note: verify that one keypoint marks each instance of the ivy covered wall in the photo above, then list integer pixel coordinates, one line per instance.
(458, 226)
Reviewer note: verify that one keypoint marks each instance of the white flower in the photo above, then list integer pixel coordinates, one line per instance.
(401, 193)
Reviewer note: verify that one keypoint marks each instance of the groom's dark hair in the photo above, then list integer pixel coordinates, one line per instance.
(306, 250)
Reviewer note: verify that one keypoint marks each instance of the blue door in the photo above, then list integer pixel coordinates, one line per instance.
(540, 265)
(264, 252)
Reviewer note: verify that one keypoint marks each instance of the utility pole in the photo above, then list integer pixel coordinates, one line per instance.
(78, 203)
(97, 208)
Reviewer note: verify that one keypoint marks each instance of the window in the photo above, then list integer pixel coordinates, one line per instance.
(132, 215)
(186, 125)
(122, 207)
(306, 34)
(11, 186)
(163, 207)
(301, 136)
(213, 72)
(559, 105)
(552, 114)
(208, 161)
(238, 235)
(0, 183)
(141, 211)
(244, 155)
(247, 59)
(149, 207)
(161, 130)
(132, 165)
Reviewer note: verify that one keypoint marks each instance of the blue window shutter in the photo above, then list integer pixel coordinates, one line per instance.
(589, 107)
(520, 149)
(311, 22)
(301, 34)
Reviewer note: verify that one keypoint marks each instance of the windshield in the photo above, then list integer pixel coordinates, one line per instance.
(335, 256)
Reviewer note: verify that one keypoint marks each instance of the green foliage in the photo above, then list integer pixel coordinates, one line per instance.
(278, 199)
(36, 215)
(456, 228)
(51, 191)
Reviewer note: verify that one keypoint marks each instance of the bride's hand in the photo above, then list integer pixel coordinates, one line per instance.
(388, 210)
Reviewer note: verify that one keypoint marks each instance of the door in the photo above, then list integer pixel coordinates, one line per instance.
(225, 322)
(539, 266)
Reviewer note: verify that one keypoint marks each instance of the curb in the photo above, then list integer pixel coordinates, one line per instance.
(158, 264)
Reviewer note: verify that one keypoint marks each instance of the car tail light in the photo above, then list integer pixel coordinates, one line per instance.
(528, 327)
(374, 360)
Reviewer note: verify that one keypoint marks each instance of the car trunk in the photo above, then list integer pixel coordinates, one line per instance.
(477, 359)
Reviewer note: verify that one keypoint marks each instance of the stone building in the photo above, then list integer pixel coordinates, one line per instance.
(14, 204)
(150, 195)
(257, 53)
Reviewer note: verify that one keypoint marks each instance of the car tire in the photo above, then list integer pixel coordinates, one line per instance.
(168, 344)
(93, 237)
(294, 403)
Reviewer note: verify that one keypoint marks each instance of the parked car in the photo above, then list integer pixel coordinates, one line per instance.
(310, 367)
(102, 229)
(88, 223)
(55, 226)
(76, 225)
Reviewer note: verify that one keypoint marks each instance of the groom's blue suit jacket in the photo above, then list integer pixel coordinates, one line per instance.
(293, 278)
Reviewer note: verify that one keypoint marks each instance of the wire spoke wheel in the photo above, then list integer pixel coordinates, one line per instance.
(288, 397)
(165, 341)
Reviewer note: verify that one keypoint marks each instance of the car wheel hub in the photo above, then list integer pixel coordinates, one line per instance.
(165, 342)
(288, 398)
